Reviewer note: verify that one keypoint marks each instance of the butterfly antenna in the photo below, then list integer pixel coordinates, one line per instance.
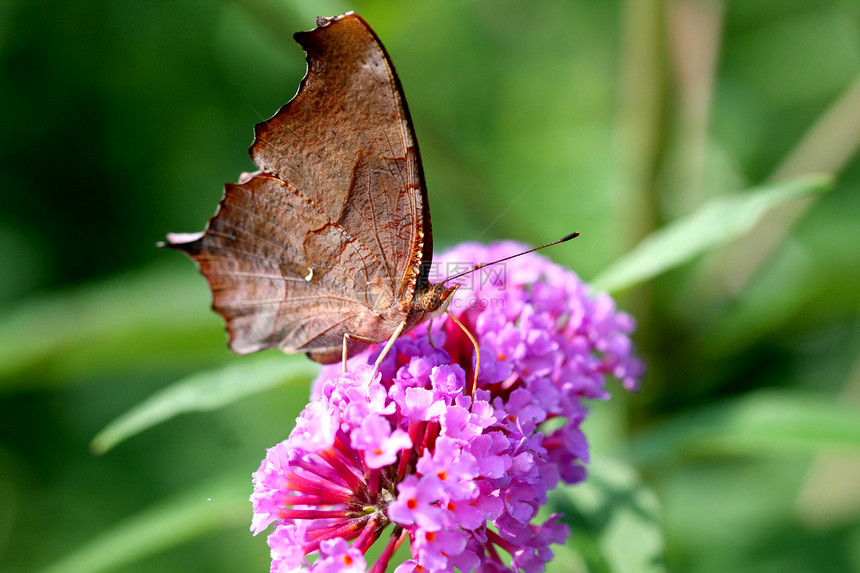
(482, 265)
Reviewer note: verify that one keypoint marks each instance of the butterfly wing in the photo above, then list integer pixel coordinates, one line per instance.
(330, 238)
(268, 256)
(346, 141)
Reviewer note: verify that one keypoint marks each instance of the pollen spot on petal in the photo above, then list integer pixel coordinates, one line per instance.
(442, 475)
(452, 506)
(411, 503)
(347, 560)
(377, 451)
(430, 536)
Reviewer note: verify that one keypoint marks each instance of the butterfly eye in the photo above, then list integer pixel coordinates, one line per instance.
(433, 301)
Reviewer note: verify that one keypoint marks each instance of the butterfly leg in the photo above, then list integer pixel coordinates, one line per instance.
(394, 336)
(468, 391)
(346, 338)
(430, 333)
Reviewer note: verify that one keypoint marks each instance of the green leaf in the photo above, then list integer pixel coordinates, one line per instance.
(207, 391)
(615, 521)
(714, 224)
(216, 507)
(134, 321)
(767, 422)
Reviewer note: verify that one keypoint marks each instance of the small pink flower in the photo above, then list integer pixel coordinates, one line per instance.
(417, 503)
(381, 445)
(337, 557)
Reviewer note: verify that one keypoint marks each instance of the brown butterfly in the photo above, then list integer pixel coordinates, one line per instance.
(331, 239)
(328, 247)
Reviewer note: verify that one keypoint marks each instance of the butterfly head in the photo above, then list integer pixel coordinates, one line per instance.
(435, 300)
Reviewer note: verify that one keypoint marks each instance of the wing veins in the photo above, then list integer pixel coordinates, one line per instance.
(376, 230)
(274, 301)
(328, 220)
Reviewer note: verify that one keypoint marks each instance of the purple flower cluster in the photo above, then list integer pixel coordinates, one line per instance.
(460, 472)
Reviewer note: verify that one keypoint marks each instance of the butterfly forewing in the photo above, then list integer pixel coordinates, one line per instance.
(334, 233)
(346, 141)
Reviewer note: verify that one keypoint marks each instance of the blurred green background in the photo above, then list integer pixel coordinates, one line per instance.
(120, 120)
